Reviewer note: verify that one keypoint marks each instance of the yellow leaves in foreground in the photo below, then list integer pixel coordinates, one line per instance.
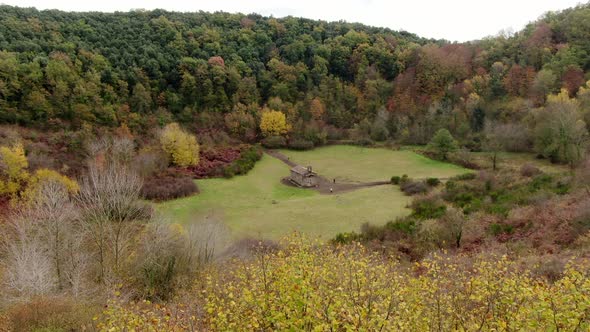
(314, 287)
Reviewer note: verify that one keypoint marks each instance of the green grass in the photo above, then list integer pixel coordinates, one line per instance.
(258, 205)
(358, 164)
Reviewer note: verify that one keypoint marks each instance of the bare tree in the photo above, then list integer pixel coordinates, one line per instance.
(110, 210)
(44, 245)
(28, 269)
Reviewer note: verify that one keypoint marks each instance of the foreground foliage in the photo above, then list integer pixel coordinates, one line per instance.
(311, 287)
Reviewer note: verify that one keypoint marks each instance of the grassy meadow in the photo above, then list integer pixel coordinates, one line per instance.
(259, 205)
(358, 164)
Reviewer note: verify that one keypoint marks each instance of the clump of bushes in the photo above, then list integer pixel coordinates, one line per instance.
(363, 141)
(464, 177)
(432, 182)
(51, 313)
(396, 179)
(412, 187)
(463, 158)
(529, 170)
(274, 142)
(428, 208)
(244, 164)
(168, 185)
(301, 144)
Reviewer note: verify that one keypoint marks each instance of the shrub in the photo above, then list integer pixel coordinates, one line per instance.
(395, 179)
(540, 181)
(463, 158)
(433, 182)
(529, 170)
(274, 142)
(414, 187)
(345, 238)
(243, 164)
(301, 144)
(428, 208)
(51, 314)
(149, 161)
(404, 179)
(168, 185)
(403, 225)
(182, 147)
(363, 141)
(498, 229)
(464, 177)
(334, 133)
(379, 131)
(170, 254)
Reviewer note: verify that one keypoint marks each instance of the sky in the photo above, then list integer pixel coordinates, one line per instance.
(454, 20)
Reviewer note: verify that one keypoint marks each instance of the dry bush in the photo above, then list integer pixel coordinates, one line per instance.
(9, 135)
(463, 157)
(168, 185)
(529, 170)
(169, 256)
(412, 187)
(51, 314)
(150, 161)
(582, 176)
(247, 247)
(39, 156)
(475, 231)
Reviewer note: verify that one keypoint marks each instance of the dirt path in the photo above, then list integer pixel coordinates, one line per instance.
(324, 184)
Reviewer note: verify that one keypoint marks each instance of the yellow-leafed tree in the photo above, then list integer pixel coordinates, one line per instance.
(14, 166)
(273, 123)
(43, 176)
(181, 146)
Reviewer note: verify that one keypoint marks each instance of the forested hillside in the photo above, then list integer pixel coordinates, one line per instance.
(108, 69)
(134, 193)
(218, 71)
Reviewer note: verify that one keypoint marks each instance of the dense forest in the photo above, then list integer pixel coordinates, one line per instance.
(218, 71)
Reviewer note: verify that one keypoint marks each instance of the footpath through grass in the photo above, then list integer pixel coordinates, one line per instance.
(259, 205)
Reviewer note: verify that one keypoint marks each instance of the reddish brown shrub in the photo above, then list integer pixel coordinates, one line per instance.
(168, 185)
(50, 314)
(213, 162)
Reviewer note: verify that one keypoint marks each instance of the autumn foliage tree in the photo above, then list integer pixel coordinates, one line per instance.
(273, 123)
(561, 132)
(14, 169)
(181, 146)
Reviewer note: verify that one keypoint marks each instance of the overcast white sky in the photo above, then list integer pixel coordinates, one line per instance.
(459, 20)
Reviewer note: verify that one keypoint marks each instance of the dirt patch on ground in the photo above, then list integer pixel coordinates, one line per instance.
(325, 186)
